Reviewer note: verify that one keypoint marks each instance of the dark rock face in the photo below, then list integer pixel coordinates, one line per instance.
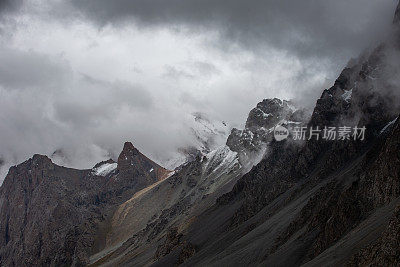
(242, 140)
(257, 188)
(268, 113)
(363, 93)
(39, 225)
(386, 251)
(341, 205)
(382, 170)
(396, 19)
(50, 214)
(130, 156)
(136, 170)
(173, 241)
(252, 142)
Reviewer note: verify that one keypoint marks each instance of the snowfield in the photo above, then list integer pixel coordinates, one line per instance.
(105, 169)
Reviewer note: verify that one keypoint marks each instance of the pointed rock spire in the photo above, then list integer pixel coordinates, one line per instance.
(132, 163)
(128, 146)
(127, 156)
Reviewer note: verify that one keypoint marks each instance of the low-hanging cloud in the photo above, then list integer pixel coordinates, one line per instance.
(82, 118)
(23, 70)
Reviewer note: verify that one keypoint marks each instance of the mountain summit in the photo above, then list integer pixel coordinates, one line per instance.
(135, 169)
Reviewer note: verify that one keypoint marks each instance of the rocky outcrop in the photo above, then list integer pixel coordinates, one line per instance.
(268, 113)
(173, 241)
(385, 252)
(145, 171)
(39, 225)
(253, 142)
(341, 205)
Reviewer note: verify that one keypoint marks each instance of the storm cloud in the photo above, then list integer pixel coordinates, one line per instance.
(307, 28)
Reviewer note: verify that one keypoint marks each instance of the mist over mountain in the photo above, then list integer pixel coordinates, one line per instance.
(105, 73)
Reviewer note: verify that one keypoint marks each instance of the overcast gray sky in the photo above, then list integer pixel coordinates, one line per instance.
(86, 75)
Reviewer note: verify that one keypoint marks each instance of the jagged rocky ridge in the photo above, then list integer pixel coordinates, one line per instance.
(169, 205)
(109, 199)
(251, 143)
(318, 203)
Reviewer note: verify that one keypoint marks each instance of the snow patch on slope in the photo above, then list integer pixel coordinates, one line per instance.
(105, 169)
(205, 135)
(208, 133)
(221, 159)
(263, 114)
(388, 125)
